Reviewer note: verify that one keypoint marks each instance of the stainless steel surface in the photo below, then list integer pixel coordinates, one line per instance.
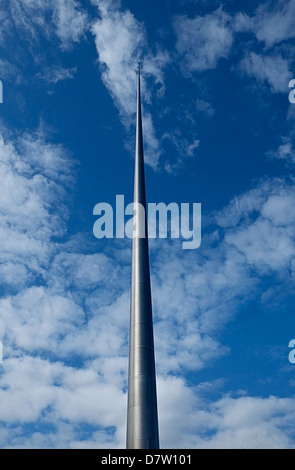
(142, 414)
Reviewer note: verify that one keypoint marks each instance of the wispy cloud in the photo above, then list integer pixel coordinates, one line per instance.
(9, 72)
(284, 152)
(185, 149)
(121, 43)
(64, 18)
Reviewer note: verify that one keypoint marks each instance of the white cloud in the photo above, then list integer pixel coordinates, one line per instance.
(189, 421)
(68, 398)
(77, 312)
(33, 174)
(203, 40)
(205, 289)
(70, 21)
(185, 149)
(270, 24)
(31, 387)
(264, 245)
(205, 107)
(64, 18)
(151, 143)
(56, 74)
(9, 72)
(119, 38)
(203, 294)
(36, 320)
(286, 150)
(267, 241)
(120, 41)
(252, 422)
(271, 69)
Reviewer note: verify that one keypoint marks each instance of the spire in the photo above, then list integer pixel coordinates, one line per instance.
(142, 414)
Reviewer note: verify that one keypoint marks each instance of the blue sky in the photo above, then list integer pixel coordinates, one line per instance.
(218, 129)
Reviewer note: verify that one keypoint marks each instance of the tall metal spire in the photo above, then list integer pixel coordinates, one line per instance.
(142, 414)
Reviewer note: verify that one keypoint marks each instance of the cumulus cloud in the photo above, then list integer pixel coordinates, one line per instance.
(206, 289)
(286, 151)
(203, 40)
(41, 316)
(228, 423)
(37, 320)
(33, 179)
(31, 387)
